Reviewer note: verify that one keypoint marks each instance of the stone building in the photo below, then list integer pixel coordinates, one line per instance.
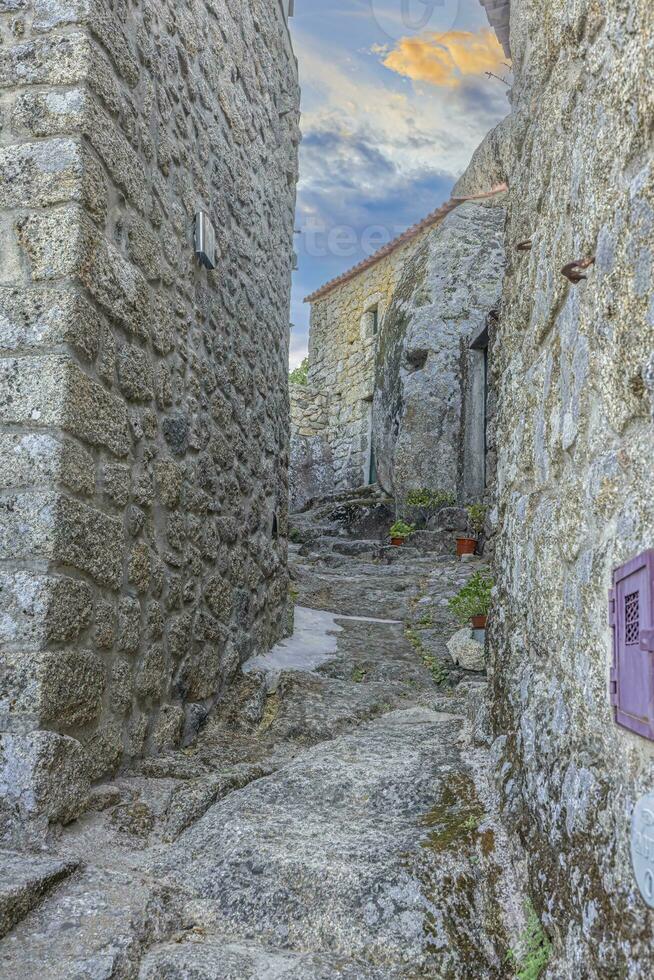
(570, 448)
(143, 406)
(572, 372)
(331, 418)
(431, 406)
(396, 389)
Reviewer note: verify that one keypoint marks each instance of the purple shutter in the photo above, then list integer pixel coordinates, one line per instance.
(631, 617)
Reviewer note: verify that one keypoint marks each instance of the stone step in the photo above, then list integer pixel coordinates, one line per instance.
(325, 505)
(215, 959)
(96, 925)
(302, 533)
(354, 548)
(25, 879)
(372, 846)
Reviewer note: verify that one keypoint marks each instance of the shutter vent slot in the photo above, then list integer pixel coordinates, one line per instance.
(632, 618)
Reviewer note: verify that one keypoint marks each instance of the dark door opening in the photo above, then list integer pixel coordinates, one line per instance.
(480, 344)
(372, 473)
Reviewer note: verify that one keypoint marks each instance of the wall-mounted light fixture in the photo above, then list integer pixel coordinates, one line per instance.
(205, 240)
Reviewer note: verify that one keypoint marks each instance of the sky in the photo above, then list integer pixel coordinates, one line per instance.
(394, 103)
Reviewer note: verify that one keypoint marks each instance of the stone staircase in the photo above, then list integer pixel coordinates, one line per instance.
(356, 523)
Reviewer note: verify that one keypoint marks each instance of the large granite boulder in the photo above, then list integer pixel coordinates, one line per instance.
(466, 651)
(443, 299)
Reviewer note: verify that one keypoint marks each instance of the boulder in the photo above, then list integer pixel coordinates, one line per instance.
(465, 651)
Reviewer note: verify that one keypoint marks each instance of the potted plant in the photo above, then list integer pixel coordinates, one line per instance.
(466, 544)
(471, 604)
(399, 531)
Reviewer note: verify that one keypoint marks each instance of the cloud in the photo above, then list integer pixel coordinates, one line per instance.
(378, 152)
(447, 59)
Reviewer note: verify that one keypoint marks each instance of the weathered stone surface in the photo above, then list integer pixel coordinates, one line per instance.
(61, 60)
(466, 651)
(168, 727)
(41, 775)
(191, 800)
(247, 961)
(61, 688)
(53, 391)
(50, 173)
(151, 675)
(39, 608)
(336, 794)
(575, 466)
(114, 344)
(423, 435)
(24, 881)
(103, 751)
(310, 462)
(97, 924)
(47, 317)
(135, 374)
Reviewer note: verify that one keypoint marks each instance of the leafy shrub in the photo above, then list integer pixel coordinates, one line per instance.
(477, 517)
(473, 599)
(401, 529)
(430, 500)
(300, 376)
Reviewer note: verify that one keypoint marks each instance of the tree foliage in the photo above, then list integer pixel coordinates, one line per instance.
(300, 376)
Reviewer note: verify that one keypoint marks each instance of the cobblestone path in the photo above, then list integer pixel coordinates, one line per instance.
(334, 820)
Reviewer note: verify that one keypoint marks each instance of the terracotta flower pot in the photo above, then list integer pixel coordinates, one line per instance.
(397, 541)
(466, 546)
(479, 622)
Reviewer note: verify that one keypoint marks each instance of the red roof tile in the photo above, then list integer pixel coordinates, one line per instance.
(402, 239)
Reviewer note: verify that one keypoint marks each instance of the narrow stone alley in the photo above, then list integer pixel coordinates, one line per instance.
(335, 818)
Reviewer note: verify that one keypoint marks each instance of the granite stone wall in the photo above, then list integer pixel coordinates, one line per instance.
(342, 347)
(311, 466)
(143, 400)
(429, 387)
(572, 368)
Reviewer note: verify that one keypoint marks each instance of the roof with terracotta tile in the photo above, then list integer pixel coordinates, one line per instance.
(432, 219)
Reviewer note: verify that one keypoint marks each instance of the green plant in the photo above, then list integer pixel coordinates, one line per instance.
(477, 517)
(473, 599)
(359, 675)
(438, 671)
(401, 529)
(300, 376)
(536, 949)
(429, 501)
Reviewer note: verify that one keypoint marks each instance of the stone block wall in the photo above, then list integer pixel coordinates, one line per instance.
(143, 400)
(310, 460)
(575, 442)
(342, 351)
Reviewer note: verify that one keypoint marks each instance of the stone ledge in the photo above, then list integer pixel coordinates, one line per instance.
(24, 881)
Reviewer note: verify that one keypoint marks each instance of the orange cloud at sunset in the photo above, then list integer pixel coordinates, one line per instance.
(445, 59)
